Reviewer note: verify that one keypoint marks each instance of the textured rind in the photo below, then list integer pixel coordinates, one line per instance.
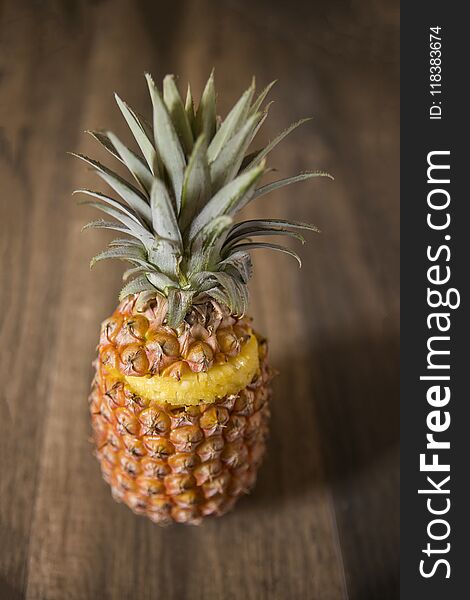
(179, 464)
(141, 344)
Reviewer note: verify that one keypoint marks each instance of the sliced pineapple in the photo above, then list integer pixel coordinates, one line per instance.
(180, 314)
(204, 387)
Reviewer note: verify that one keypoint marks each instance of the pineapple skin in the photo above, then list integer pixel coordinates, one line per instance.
(179, 463)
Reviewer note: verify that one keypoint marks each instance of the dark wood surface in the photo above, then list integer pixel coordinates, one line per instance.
(322, 522)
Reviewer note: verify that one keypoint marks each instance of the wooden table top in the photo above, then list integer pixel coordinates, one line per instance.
(322, 522)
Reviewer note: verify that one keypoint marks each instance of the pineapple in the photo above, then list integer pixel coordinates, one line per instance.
(179, 402)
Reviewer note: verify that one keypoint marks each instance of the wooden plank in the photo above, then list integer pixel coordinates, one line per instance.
(36, 128)
(322, 521)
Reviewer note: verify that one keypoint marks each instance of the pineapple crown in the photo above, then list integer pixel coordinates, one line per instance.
(193, 177)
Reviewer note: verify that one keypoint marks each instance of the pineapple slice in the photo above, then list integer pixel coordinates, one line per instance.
(201, 388)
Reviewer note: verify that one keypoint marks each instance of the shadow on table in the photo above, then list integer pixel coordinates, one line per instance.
(7, 592)
(335, 409)
(335, 423)
(386, 588)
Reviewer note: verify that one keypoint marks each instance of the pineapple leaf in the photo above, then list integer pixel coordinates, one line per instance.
(127, 191)
(265, 151)
(230, 291)
(124, 242)
(115, 203)
(212, 232)
(102, 224)
(262, 232)
(132, 227)
(133, 255)
(160, 280)
(205, 121)
(257, 227)
(228, 161)
(252, 245)
(133, 163)
(197, 183)
(231, 124)
(141, 134)
(179, 302)
(164, 220)
(189, 108)
(265, 189)
(177, 112)
(137, 285)
(102, 138)
(105, 141)
(238, 263)
(128, 273)
(166, 256)
(129, 195)
(262, 119)
(167, 142)
(204, 242)
(227, 200)
(261, 97)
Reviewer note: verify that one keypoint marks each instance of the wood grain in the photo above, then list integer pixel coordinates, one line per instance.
(322, 523)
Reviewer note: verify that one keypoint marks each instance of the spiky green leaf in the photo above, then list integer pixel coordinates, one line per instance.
(263, 232)
(139, 171)
(141, 133)
(164, 220)
(102, 224)
(102, 138)
(189, 110)
(231, 124)
(132, 214)
(257, 227)
(254, 245)
(160, 280)
(174, 104)
(179, 303)
(167, 141)
(129, 273)
(270, 187)
(133, 255)
(136, 286)
(136, 167)
(238, 264)
(132, 227)
(227, 200)
(127, 191)
(232, 292)
(205, 241)
(205, 121)
(124, 242)
(228, 161)
(197, 184)
(261, 97)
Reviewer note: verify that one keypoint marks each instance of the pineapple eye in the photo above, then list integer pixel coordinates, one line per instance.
(137, 326)
(201, 356)
(177, 370)
(134, 361)
(110, 328)
(168, 342)
(228, 342)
